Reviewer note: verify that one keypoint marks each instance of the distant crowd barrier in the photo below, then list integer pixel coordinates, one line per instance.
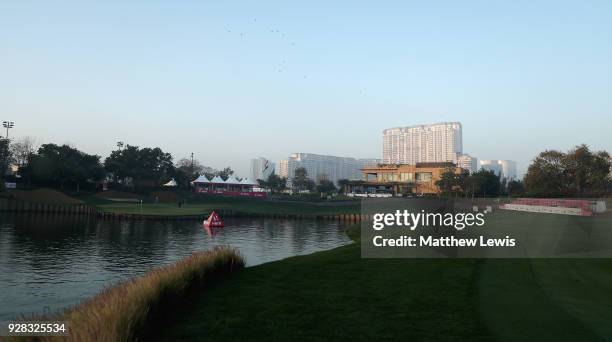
(578, 207)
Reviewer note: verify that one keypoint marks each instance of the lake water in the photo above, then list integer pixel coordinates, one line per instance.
(49, 262)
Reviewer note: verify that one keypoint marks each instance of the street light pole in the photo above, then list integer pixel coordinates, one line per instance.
(8, 125)
(191, 162)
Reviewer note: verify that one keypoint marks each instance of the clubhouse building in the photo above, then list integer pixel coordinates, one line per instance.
(400, 179)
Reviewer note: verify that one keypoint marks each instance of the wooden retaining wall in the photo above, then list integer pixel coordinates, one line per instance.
(13, 205)
(224, 213)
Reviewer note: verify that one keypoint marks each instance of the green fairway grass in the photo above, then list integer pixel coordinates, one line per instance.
(336, 295)
(43, 195)
(243, 205)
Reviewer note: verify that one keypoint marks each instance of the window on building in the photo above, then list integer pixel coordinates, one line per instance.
(423, 177)
(387, 177)
(407, 177)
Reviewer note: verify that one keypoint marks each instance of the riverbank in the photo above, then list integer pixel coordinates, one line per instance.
(127, 311)
(194, 207)
(336, 295)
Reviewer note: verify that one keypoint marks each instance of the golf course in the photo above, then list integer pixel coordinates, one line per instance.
(246, 206)
(337, 295)
(167, 203)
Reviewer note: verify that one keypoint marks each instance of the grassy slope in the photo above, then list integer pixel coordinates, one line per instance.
(43, 195)
(337, 295)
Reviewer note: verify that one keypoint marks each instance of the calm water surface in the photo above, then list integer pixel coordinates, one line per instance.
(48, 262)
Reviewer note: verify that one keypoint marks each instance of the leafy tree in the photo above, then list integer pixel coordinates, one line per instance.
(5, 155)
(586, 171)
(515, 188)
(64, 164)
(326, 186)
(275, 183)
(451, 182)
(143, 165)
(122, 163)
(301, 180)
(484, 183)
(186, 171)
(580, 171)
(191, 168)
(22, 149)
(546, 174)
(343, 183)
(309, 184)
(225, 173)
(503, 186)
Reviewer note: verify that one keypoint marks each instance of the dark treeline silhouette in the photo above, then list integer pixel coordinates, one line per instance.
(67, 168)
(577, 173)
(482, 183)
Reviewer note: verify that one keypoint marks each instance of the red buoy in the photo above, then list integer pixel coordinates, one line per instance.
(214, 221)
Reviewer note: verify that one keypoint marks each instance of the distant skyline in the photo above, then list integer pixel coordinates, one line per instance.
(231, 81)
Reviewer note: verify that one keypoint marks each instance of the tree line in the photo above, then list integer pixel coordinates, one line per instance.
(300, 182)
(130, 166)
(578, 172)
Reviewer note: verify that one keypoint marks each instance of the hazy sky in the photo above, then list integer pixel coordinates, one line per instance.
(233, 80)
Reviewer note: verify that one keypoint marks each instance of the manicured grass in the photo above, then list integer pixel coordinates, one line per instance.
(43, 195)
(205, 205)
(336, 295)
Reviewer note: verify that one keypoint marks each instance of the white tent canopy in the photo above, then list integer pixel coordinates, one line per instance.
(172, 182)
(231, 180)
(217, 180)
(201, 179)
(247, 181)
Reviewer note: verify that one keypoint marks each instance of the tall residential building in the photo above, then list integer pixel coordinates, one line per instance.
(503, 168)
(261, 168)
(440, 142)
(283, 168)
(368, 162)
(325, 167)
(467, 162)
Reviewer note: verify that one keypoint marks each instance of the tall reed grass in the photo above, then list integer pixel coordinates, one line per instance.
(123, 312)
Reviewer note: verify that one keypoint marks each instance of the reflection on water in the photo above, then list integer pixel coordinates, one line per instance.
(48, 262)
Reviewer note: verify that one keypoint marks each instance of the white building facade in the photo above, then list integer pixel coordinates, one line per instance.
(503, 168)
(261, 168)
(283, 168)
(327, 167)
(467, 162)
(440, 142)
(368, 162)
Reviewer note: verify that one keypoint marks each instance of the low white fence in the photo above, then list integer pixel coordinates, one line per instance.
(542, 209)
